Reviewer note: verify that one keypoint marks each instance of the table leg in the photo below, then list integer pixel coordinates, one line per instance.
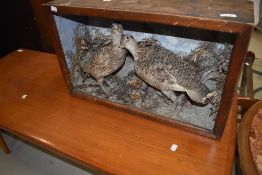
(3, 145)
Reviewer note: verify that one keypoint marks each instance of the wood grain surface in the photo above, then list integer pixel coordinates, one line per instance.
(245, 156)
(213, 9)
(96, 136)
(204, 14)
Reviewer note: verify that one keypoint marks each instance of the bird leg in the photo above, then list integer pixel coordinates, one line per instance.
(85, 77)
(146, 90)
(181, 101)
(170, 95)
(109, 84)
(100, 83)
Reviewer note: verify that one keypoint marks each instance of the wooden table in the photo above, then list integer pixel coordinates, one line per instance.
(101, 138)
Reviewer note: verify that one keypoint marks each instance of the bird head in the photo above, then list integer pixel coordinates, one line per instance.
(117, 28)
(116, 34)
(128, 42)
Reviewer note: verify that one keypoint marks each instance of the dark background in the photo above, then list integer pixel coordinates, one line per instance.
(19, 27)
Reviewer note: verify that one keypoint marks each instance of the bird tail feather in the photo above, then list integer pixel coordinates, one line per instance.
(198, 94)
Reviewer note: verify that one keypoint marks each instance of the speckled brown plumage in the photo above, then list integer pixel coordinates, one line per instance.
(107, 58)
(166, 71)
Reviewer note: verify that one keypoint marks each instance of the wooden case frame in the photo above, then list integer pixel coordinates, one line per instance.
(241, 26)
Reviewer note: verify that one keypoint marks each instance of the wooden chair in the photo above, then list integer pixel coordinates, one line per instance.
(246, 87)
(246, 94)
(248, 105)
(3, 145)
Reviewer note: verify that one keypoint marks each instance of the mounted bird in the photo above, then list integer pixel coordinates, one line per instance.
(166, 71)
(106, 58)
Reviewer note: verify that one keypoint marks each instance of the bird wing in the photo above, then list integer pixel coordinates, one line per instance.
(101, 43)
(151, 67)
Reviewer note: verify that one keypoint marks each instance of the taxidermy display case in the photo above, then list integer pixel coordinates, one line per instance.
(154, 59)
